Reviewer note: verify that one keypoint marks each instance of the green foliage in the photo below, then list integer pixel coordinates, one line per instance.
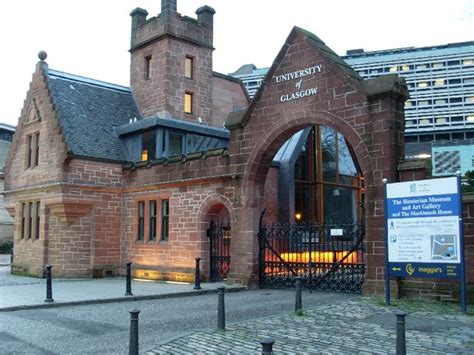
(6, 247)
(299, 313)
(468, 182)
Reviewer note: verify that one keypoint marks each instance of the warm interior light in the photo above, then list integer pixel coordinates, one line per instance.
(144, 155)
(320, 257)
(298, 216)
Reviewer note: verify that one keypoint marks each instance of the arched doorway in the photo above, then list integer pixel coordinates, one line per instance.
(322, 238)
(218, 233)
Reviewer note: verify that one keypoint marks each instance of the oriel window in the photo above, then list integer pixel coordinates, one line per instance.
(188, 67)
(188, 102)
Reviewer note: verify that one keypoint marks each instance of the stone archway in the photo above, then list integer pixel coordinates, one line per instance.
(369, 114)
(216, 219)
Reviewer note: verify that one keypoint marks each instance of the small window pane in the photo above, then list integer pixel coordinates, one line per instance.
(148, 145)
(141, 220)
(188, 67)
(37, 230)
(165, 205)
(175, 144)
(188, 103)
(152, 220)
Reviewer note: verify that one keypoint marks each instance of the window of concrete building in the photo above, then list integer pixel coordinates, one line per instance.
(423, 85)
(37, 225)
(188, 102)
(165, 210)
(440, 82)
(328, 182)
(188, 67)
(147, 69)
(438, 65)
(152, 209)
(141, 220)
(468, 61)
(469, 99)
(454, 62)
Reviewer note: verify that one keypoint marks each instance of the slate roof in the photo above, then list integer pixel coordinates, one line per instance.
(88, 111)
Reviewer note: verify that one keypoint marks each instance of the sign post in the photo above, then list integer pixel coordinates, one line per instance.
(423, 231)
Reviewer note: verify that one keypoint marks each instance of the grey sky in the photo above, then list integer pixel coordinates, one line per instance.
(91, 37)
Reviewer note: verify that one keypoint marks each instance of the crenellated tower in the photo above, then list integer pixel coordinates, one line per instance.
(171, 62)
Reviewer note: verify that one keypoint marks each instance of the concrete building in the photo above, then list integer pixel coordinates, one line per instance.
(101, 174)
(6, 222)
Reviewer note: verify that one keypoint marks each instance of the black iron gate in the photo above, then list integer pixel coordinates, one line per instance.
(328, 257)
(219, 245)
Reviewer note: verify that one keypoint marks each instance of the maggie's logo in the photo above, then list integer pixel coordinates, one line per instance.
(410, 269)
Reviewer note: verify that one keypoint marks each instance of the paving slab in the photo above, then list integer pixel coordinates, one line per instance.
(20, 292)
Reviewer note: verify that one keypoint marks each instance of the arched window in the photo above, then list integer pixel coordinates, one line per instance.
(328, 181)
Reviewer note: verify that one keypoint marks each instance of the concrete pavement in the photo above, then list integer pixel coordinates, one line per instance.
(21, 292)
(332, 324)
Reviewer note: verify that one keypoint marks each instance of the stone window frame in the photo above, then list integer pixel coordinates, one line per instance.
(32, 150)
(30, 220)
(158, 240)
(189, 67)
(189, 94)
(147, 67)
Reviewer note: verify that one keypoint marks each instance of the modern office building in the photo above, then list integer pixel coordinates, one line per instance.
(440, 80)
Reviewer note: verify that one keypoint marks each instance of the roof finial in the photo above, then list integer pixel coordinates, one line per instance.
(42, 55)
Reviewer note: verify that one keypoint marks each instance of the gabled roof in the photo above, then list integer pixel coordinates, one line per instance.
(88, 111)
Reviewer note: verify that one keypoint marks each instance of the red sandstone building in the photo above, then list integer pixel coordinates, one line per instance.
(181, 165)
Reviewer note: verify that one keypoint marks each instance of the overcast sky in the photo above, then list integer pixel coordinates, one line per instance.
(91, 37)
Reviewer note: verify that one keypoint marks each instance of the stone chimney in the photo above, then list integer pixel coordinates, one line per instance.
(168, 6)
(205, 15)
(138, 18)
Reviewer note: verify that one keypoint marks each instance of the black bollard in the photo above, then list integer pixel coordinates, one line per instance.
(197, 276)
(49, 286)
(11, 257)
(401, 343)
(298, 301)
(220, 309)
(267, 346)
(128, 288)
(133, 346)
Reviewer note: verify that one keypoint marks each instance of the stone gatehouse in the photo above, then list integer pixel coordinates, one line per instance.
(101, 174)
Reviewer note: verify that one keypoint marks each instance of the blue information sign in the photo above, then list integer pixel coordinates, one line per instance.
(423, 229)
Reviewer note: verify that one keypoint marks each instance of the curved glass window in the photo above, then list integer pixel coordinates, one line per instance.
(328, 180)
